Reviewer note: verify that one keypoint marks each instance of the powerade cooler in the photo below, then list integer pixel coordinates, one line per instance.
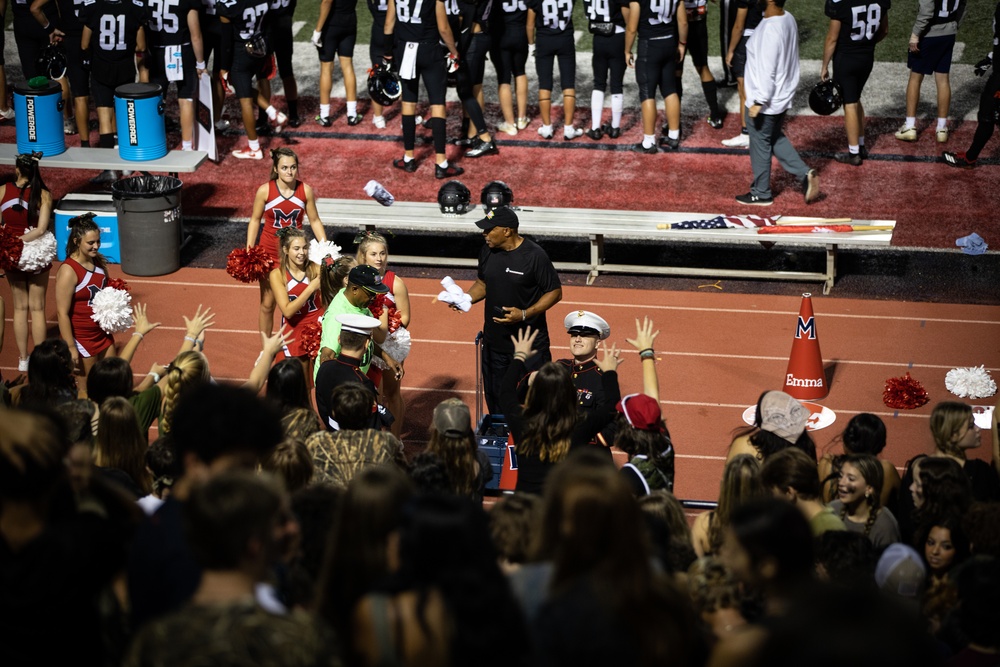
(139, 110)
(38, 117)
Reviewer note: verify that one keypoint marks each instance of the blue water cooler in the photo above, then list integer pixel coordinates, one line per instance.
(139, 110)
(38, 118)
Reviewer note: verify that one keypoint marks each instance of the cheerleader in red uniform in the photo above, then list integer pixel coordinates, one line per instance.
(82, 275)
(295, 284)
(374, 251)
(281, 202)
(25, 210)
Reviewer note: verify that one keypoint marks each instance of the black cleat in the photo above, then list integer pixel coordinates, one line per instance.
(715, 122)
(668, 144)
(612, 132)
(483, 148)
(408, 166)
(294, 121)
(652, 150)
(447, 172)
(596, 135)
(355, 120)
(324, 121)
(853, 159)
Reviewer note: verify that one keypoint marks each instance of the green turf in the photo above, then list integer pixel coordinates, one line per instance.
(975, 31)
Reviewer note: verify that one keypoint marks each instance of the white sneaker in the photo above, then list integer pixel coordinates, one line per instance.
(523, 122)
(905, 133)
(942, 135)
(246, 153)
(22, 365)
(570, 132)
(379, 122)
(7, 114)
(545, 131)
(222, 124)
(507, 128)
(739, 141)
(69, 125)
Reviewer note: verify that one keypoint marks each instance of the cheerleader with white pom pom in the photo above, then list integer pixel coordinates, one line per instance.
(78, 281)
(281, 202)
(296, 286)
(25, 210)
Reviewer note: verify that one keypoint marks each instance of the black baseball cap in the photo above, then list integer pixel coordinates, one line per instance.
(368, 278)
(498, 217)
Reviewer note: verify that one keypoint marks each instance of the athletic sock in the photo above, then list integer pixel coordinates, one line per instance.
(409, 132)
(439, 135)
(712, 97)
(254, 144)
(911, 121)
(596, 108)
(648, 140)
(352, 108)
(853, 150)
(324, 111)
(673, 134)
(617, 105)
(942, 123)
(187, 146)
(107, 140)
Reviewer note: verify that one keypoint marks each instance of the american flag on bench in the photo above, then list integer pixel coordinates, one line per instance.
(728, 222)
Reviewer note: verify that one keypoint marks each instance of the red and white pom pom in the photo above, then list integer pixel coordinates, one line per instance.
(397, 344)
(118, 283)
(973, 382)
(310, 336)
(319, 250)
(904, 393)
(249, 266)
(10, 250)
(112, 310)
(37, 255)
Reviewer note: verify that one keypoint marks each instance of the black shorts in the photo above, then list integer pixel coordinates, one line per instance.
(934, 56)
(377, 40)
(655, 66)
(547, 49)
(431, 68)
(106, 77)
(29, 47)
(697, 44)
(245, 68)
(79, 78)
(609, 56)
(187, 88)
(339, 40)
(509, 52)
(740, 58)
(851, 72)
(280, 34)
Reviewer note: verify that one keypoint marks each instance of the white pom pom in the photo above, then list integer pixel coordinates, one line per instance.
(112, 310)
(974, 382)
(38, 254)
(397, 344)
(318, 250)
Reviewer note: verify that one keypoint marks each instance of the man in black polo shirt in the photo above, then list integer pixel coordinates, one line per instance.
(518, 282)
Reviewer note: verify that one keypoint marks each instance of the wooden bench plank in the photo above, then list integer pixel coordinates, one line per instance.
(596, 226)
(76, 157)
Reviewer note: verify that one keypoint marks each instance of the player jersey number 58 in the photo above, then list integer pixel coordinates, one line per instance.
(865, 22)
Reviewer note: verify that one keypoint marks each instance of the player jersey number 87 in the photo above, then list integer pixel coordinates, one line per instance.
(404, 14)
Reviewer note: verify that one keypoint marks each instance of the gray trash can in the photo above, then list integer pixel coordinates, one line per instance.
(149, 224)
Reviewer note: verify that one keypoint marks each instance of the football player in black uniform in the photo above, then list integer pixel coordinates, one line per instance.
(856, 26)
(113, 38)
(413, 29)
(279, 36)
(606, 23)
(243, 55)
(509, 53)
(32, 35)
(176, 53)
(662, 32)
(66, 29)
(748, 15)
(550, 29)
(335, 35)
(211, 36)
(378, 9)
(698, 48)
(468, 20)
(989, 103)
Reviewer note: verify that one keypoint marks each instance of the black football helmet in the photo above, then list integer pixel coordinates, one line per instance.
(384, 85)
(454, 198)
(825, 98)
(496, 194)
(52, 61)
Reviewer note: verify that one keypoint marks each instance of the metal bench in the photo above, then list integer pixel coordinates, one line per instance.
(597, 226)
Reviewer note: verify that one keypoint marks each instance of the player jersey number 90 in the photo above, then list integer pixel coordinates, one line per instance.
(661, 11)
(865, 22)
(556, 13)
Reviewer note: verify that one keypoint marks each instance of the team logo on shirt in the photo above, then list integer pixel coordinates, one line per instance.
(282, 219)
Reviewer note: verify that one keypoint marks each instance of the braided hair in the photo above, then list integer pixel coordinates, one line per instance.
(188, 370)
(870, 469)
(27, 165)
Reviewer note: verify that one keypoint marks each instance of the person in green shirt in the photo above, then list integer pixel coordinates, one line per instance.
(793, 475)
(363, 284)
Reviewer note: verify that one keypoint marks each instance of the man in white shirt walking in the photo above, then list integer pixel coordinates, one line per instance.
(770, 80)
